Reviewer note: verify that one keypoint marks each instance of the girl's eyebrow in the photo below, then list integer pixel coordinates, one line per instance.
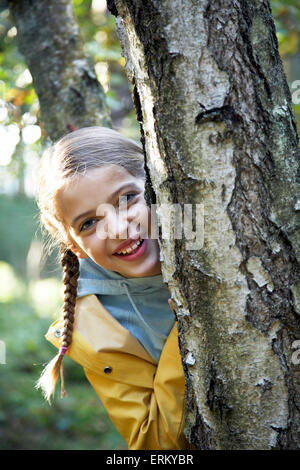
(84, 214)
(126, 185)
(112, 196)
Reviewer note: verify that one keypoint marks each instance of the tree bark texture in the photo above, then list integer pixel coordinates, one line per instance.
(218, 130)
(69, 93)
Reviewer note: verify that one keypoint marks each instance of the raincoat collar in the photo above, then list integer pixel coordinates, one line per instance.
(96, 280)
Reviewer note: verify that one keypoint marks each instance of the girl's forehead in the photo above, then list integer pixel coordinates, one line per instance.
(94, 187)
(106, 174)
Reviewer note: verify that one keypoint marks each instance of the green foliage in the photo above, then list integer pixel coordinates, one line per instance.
(19, 104)
(287, 20)
(17, 230)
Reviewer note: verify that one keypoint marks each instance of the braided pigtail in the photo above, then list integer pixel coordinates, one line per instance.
(48, 379)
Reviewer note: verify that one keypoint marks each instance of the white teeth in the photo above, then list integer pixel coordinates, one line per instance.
(129, 250)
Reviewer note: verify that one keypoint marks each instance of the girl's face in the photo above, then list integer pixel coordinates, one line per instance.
(114, 236)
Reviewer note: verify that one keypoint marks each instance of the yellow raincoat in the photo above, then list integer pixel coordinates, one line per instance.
(144, 400)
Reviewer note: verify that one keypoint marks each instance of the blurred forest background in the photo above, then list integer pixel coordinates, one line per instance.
(30, 281)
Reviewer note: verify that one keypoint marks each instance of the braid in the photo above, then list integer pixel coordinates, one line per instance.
(70, 265)
(48, 379)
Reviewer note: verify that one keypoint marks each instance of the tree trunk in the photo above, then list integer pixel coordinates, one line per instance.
(69, 93)
(218, 131)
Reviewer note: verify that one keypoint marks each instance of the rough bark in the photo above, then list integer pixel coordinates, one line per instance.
(69, 93)
(218, 130)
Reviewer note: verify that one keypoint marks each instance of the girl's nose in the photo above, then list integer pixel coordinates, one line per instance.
(121, 225)
(131, 222)
(113, 225)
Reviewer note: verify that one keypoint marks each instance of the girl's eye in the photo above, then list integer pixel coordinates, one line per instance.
(87, 224)
(126, 198)
(130, 196)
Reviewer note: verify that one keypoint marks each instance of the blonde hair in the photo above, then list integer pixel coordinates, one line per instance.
(72, 156)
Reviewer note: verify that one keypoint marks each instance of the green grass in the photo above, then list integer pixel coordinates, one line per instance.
(78, 421)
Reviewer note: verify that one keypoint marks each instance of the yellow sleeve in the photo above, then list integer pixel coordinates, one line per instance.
(149, 417)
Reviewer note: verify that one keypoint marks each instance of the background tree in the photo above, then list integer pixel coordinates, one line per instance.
(69, 93)
(218, 130)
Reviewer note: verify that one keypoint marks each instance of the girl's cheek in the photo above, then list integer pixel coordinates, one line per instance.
(93, 245)
(143, 220)
(98, 242)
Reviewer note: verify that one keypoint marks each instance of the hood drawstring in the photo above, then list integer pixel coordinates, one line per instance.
(123, 283)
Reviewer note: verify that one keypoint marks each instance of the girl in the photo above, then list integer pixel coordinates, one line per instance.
(116, 319)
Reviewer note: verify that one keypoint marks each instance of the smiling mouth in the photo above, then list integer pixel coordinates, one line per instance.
(133, 248)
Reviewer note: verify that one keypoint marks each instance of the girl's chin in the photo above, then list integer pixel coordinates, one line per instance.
(141, 271)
